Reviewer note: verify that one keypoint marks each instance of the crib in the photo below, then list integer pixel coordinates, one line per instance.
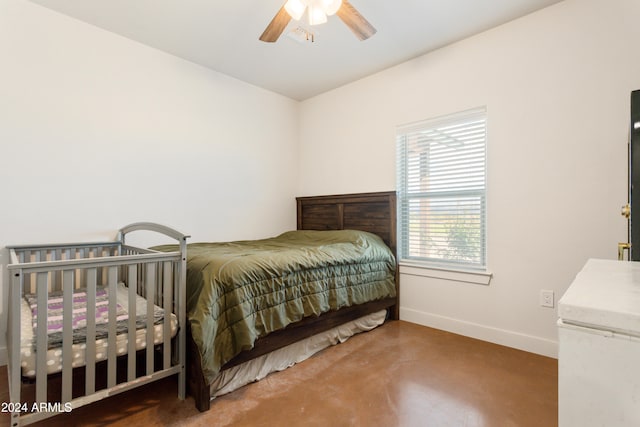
(71, 354)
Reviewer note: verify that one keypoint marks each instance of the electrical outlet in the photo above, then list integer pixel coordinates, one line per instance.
(546, 298)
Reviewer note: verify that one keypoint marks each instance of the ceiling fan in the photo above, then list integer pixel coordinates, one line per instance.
(317, 12)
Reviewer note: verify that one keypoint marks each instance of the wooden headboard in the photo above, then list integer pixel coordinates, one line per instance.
(372, 212)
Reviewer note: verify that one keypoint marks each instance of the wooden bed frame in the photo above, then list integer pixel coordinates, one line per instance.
(372, 212)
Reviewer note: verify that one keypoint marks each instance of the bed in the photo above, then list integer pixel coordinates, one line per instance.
(222, 358)
(90, 320)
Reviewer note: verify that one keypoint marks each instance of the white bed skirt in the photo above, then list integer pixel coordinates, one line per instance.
(281, 359)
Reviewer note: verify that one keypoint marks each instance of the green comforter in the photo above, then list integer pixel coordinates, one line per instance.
(240, 291)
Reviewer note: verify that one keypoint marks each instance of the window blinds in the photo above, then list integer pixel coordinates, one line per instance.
(441, 181)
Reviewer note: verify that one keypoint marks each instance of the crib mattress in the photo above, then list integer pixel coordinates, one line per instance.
(54, 353)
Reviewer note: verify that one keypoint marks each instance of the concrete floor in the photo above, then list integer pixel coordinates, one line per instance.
(399, 374)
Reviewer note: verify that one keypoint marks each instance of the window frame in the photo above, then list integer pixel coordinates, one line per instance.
(446, 263)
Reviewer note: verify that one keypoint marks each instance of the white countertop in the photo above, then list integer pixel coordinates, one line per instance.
(604, 295)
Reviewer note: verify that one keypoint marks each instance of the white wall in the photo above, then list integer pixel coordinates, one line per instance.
(556, 85)
(97, 131)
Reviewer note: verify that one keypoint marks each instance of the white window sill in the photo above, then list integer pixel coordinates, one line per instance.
(466, 276)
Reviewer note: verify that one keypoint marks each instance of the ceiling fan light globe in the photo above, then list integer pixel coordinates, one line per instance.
(331, 6)
(316, 13)
(295, 8)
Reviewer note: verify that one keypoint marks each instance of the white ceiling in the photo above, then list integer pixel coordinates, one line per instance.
(223, 35)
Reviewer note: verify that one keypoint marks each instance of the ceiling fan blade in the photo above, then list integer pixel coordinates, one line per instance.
(356, 22)
(276, 26)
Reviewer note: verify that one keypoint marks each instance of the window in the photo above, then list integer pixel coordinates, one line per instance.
(441, 183)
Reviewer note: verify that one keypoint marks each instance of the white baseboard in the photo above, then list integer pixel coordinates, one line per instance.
(3, 356)
(504, 337)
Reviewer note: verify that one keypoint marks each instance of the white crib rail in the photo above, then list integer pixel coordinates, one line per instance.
(160, 277)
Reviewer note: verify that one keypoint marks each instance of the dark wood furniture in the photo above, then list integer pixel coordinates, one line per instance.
(372, 212)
